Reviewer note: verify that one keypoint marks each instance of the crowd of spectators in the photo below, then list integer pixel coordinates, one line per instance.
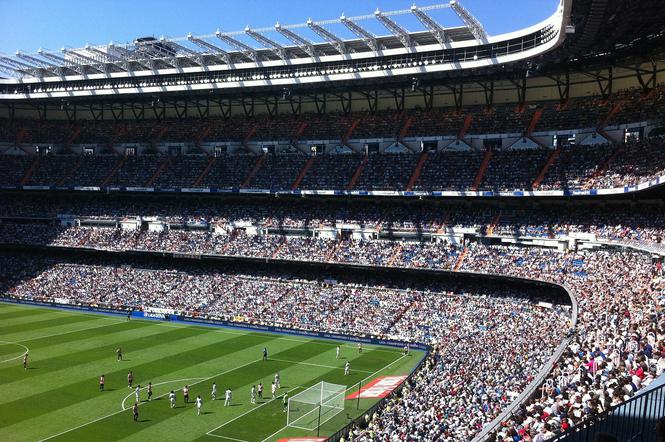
(617, 347)
(442, 311)
(574, 167)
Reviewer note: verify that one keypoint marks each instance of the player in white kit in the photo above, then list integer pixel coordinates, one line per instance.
(199, 404)
(347, 368)
(227, 397)
(172, 399)
(213, 393)
(252, 395)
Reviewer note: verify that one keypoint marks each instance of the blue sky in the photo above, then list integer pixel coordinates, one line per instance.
(30, 24)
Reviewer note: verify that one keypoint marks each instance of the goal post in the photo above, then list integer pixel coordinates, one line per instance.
(311, 408)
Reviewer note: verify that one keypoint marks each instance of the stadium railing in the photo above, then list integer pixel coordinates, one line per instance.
(633, 420)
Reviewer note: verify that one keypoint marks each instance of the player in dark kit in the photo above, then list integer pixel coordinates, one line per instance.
(130, 379)
(135, 411)
(101, 383)
(25, 361)
(265, 354)
(149, 391)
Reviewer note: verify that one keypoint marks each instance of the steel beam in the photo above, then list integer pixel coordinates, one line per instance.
(55, 69)
(85, 61)
(398, 31)
(242, 47)
(331, 38)
(432, 26)
(215, 50)
(109, 58)
(365, 36)
(268, 43)
(61, 62)
(302, 43)
(470, 21)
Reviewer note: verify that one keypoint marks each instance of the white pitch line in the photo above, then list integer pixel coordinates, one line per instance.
(156, 397)
(374, 373)
(16, 357)
(72, 331)
(317, 365)
(225, 437)
(246, 413)
(122, 406)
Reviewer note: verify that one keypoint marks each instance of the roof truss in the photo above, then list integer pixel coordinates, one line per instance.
(364, 35)
(432, 26)
(398, 31)
(265, 41)
(331, 38)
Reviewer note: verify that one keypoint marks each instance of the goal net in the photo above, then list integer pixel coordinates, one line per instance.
(315, 406)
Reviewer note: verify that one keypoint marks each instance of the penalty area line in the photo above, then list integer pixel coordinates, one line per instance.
(122, 406)
(226, 437)
(317, 365)
(210, 433)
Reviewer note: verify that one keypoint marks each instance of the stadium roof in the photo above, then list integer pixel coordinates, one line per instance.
(257, 45)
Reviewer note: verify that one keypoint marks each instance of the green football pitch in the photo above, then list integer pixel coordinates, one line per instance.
(58, 397)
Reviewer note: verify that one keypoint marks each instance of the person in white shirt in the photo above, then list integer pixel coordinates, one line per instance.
(273, 390)
(214, 391)
(252, 395)
(227, 397)
(277, 380)
(137, 393)
(199, 404)
(172, 399)
(337, 353)
(347, 368)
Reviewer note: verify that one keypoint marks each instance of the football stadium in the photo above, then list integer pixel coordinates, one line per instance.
(396, 225)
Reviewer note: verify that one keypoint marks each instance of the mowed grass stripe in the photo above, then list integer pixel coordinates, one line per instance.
(98, 404)
(101, 329)
(120, 426)
(100, 352)
(44, 324)
(273, 419)
(24, 337)
(69, 333)
(27, 387)
(215, 414)
(36, 405)
(6, 314)
(75, 399)
(215, 366)
(88, 363)
(9, 350)
(40, 317)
